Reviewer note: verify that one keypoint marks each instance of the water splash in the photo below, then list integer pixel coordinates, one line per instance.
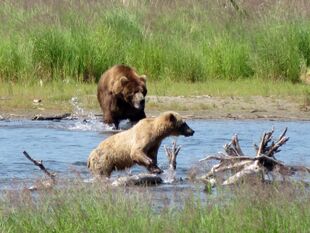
(86, 121)
(78, 111)
(90, 180)
(169, 175)
(89, 125)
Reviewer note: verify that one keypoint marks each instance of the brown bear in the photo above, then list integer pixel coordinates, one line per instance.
(138, 145)
(121, 95)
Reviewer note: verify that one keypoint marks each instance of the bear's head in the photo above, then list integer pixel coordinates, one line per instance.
(132, 90)
(175, 124)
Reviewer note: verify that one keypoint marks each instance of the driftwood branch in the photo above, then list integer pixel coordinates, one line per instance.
(263, 143)
(172, 153)
(275, 146)
(241, 166)
(233, 148)
(252, 169)
(39, 163)
(270, 150)
(227, 158)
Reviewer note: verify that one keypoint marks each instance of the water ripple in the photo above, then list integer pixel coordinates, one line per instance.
(64, 146)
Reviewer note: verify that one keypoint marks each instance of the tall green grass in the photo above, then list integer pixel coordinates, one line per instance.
(98, 208)
(190, 40)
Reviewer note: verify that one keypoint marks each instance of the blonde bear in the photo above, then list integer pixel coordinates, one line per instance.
(137, 145)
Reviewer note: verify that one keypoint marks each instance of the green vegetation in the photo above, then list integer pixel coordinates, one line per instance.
(190, 40)
(188, 47)
(98, 208)
(56, 95)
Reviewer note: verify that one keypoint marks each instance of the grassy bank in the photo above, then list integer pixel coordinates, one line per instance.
(56, 95)
(190, 40)
(94, 208)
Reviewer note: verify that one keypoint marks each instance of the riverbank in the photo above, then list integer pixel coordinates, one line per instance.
(244, 99)
(194, 107)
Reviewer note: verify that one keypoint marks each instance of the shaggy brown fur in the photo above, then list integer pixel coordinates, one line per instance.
(121, 95)
(138, 145)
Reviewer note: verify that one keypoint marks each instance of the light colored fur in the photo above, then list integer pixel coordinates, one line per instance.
(138, 145)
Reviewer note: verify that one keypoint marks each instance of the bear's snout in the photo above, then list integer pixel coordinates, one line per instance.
(139, 101)
(186, 130)
(189, 132)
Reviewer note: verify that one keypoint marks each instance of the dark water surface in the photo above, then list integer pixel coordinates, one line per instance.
(64, 146)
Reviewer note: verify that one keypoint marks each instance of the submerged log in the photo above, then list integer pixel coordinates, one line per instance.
(151, 179)
(236, 167)
(139, 179)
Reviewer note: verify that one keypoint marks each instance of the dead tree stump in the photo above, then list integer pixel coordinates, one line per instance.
(239, 166)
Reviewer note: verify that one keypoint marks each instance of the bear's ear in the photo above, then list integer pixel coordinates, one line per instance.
(143, 78)
(119, 84)
(123, 80)
(172, 117)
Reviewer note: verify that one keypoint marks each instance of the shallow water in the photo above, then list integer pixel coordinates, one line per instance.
(65, 145)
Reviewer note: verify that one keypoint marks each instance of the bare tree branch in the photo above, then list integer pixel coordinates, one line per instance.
(41, 166)
(172, 153)
(240, 166)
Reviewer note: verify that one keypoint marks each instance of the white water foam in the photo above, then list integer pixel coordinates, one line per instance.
(78, 111)
(169, 175)
(86, 121)
(91, 125)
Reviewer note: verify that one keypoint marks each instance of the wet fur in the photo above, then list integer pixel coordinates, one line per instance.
(138, 145)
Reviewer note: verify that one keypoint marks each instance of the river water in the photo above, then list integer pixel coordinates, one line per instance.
(65, 145)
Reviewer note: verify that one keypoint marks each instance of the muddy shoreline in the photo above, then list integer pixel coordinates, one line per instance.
(193, 107)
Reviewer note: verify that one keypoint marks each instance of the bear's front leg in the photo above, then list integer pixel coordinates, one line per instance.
(109, 109)
(134, 119)
(110, 120)
(140, 158)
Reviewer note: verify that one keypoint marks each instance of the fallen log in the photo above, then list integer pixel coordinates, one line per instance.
(139, 179)
(153, 179)
(234, 166)
(39, 117)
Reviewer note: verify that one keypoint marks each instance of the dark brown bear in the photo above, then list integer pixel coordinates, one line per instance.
(121, 95)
